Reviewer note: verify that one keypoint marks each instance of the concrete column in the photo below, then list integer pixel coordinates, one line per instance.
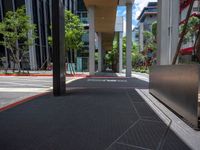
(91, 40)
(46, 32)
(175, 15)
(100, 55)
(141, 36)
(168, 24)
(39, 31)
(128, 39)
(120, 52)
(32, 52)
(58, 28)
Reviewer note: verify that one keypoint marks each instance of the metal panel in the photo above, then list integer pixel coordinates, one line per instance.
(178, 87)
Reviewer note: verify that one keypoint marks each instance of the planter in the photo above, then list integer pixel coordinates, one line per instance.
(178, 87)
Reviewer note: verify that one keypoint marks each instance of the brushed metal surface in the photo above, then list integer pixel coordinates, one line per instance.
(178, 87)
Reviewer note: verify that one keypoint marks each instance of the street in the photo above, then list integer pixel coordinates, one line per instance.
(13, 89)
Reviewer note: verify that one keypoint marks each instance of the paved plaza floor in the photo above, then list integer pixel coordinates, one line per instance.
(95, 114)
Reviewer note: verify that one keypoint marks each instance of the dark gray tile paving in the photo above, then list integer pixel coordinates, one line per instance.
(83, 120)
(107, 83)
(145, 134)
(123, 147)
(135, 97)
(145, 111)
(173, 142)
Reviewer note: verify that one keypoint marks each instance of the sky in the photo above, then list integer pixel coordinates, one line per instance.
(137, 8)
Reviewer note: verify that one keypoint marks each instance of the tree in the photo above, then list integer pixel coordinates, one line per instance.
(15, 28)
(112, 55)
(74, 31)
(191, 29)
(192, 34)
(149, 41)
(154, 29)
(137, 57)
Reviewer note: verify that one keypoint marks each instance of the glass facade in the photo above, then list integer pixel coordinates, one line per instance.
(41, 16)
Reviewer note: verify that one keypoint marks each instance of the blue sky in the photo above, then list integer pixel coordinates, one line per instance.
(137, 8)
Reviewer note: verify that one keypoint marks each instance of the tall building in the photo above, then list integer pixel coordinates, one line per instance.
(40, 14)
(40, 54)
(145, 20)
(83, 54)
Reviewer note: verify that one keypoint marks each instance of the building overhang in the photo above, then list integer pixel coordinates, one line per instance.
(124, 2)
(105, 16)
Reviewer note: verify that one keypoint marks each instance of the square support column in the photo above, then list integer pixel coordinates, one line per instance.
(91, 40)
(58, 30)
(128, 39)
(32, 51)
(100, 54)
(141, 37)
(120, 52)
(168, 26)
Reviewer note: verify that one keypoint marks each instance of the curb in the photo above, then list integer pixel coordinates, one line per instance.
(22, 101)
(40, 75)
(50, 75)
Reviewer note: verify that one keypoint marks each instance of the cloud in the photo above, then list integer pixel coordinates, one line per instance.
(139, 5)
(137, 8)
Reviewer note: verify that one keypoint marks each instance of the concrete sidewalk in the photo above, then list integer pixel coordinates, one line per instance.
(95, 114)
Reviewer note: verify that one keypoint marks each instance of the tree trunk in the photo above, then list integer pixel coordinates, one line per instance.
(13, 66)
(197, 47)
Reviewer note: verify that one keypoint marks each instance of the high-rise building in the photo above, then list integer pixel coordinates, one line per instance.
(40, 14)
(145, 20)
(40, 54)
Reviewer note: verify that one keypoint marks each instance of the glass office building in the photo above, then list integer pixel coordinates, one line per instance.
(40, 54)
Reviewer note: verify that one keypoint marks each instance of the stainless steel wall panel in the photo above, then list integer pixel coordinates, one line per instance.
(178, 87)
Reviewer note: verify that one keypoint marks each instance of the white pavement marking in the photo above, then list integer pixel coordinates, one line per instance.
(24, 90)
(24, 84)
(71, 80)
(140, 77)
(106, 80)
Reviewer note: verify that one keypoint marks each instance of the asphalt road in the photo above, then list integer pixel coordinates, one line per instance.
(13, 89)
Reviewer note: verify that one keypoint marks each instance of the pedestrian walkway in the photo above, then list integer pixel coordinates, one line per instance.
(95, 114)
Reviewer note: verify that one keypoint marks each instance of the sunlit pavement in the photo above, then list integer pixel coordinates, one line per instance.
(14, 89)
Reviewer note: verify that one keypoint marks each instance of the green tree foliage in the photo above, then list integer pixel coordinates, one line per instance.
(192, 27)
(112, 55)
(74, 31)
(136, 55)
(15, 27)
(149, 41)
(154, 29)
